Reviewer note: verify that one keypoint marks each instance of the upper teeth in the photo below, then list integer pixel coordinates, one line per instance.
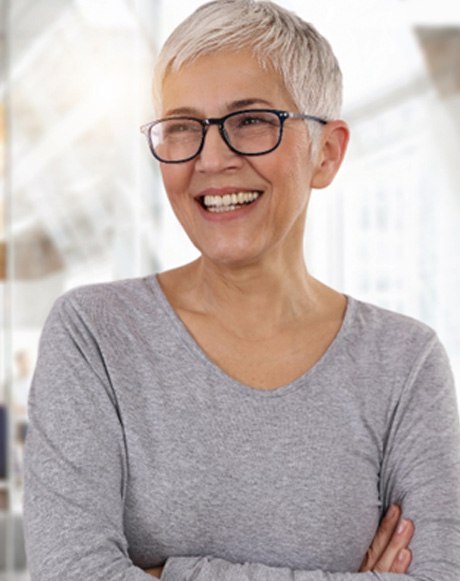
(231, 199)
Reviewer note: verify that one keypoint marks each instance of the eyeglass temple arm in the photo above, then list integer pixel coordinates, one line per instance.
(308, 117)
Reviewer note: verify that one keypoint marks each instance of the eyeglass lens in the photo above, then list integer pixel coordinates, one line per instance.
(249, 132)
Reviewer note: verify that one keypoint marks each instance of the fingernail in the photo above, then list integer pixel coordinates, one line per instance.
(402, 555)
(401, 527)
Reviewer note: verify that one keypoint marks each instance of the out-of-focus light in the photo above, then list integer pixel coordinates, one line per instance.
(441, 12)
(106, 13)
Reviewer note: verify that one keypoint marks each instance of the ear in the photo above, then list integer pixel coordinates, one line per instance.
(332, 148)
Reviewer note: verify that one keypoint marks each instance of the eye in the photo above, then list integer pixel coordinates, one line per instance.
(173, 127)
(254, 120)
(177, 128)
(247, 120)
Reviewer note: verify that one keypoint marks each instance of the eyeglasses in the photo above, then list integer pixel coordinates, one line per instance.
(249, 132)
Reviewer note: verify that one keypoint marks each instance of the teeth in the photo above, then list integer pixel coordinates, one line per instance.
(229, 202)
(220, 209)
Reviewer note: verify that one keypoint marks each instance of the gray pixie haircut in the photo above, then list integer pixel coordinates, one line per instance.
(278, 38)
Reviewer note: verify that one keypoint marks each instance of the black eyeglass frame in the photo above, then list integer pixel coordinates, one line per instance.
(219, 121)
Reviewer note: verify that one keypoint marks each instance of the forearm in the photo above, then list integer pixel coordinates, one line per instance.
(389, 550)
(210, 569)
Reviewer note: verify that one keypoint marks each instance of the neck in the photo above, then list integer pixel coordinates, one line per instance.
(255, 300)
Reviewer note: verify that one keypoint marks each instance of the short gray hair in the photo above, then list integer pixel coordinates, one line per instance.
(277, 37)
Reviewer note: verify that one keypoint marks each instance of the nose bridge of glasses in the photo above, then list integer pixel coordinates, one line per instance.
(219, 122)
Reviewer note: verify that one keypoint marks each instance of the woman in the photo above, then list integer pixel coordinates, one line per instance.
(235, 418)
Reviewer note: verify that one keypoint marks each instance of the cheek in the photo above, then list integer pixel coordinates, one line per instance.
(301, 168)
(292, 164)
(176, 179)
(293, 175)
(169, 177)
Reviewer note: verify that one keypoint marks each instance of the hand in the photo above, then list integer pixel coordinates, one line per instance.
(389, 551)
(155, 572)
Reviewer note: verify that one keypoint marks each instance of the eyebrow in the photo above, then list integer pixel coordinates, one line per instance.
(233, 106)
(248, 103)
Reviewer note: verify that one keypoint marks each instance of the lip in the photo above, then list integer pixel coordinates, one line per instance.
(227, 216)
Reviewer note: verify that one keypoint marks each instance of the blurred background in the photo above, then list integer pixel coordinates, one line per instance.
(81, 200)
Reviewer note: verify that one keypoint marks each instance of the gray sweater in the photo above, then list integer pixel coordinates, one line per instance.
(141, 450)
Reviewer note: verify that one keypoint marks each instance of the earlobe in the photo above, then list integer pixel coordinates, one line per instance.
(333, 146)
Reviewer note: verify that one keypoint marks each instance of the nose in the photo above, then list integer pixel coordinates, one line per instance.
(216, 156)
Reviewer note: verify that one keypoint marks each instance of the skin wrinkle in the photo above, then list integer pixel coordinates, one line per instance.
(237, 390)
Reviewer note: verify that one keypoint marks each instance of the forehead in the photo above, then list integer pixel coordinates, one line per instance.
(211, 84)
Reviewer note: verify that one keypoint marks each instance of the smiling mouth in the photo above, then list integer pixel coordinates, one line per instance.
(228, 202)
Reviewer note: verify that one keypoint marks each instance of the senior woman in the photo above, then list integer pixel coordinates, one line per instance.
(234, 418)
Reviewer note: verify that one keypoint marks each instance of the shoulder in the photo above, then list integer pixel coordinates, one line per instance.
(387, 341)
(389, 328)
(130, 289)
(110, 304)
(398, 359)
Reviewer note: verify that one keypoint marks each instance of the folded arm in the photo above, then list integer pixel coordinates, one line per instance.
(76, 473)
(389, 551)
(420, 470)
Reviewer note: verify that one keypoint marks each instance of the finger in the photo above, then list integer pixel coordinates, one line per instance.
(399, 541)
(382, 538)
(402, 562)
(155, 572)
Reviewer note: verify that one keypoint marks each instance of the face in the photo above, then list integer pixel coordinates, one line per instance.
(273, 223)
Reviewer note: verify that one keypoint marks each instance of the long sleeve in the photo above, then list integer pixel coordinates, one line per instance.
(420, 470)
(210, 569)
(75, 464)
(140, 451)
